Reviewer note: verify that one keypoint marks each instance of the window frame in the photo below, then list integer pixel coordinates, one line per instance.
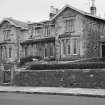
(51, 49)
(75, 46)
(69, 25)
(6, 35)
(47, 30)
(64, 46)
(25, 51)
(71, 45)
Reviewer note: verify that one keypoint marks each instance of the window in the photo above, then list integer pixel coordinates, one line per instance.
(68, 49)
(75, 46)
(47, 30)
(69, 25)
(6, 34)
(31, 50)
(38, 31)
(10, 52)
(45, 52)
(64, 47)
(26, 52)
(69, 46)
(51, 50)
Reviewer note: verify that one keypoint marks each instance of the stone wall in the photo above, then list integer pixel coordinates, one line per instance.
(80, 78)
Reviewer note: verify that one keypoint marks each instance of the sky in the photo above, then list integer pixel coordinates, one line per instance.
(38, 10)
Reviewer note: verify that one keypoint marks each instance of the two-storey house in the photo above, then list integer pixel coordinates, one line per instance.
(11, 33)
(69, 34)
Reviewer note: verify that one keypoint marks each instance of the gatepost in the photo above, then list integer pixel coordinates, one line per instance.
(13, 73)
(1, 73)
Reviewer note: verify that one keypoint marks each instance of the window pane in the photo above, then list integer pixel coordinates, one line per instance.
(74, 46)
(68, 49)
(51, 51)
(10, 50)
(69, 25)
(26, 53)
(45, 52)
(64, 47)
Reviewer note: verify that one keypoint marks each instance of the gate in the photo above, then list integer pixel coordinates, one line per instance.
(7, 74)
(6, 77)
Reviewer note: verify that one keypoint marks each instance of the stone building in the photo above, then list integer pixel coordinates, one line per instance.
(11, 34)
(69, 34)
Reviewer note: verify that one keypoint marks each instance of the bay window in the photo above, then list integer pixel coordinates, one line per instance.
(69, 46)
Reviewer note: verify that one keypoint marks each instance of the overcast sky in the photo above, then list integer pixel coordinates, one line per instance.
(38, 10)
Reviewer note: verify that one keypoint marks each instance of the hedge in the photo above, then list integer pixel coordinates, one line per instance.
(87, 65)
(28, 59)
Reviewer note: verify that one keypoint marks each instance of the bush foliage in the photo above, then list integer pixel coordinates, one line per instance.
(87, 65)
(28, 59)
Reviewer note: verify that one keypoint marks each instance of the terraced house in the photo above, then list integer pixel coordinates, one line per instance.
(69, 34)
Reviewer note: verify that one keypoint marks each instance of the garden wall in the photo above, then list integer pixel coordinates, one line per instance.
(81, 78)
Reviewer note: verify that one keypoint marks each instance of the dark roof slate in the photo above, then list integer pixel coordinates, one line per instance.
(16, 23)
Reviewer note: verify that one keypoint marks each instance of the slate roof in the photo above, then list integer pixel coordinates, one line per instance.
(24, 25)
(80, 11)
(16, 23)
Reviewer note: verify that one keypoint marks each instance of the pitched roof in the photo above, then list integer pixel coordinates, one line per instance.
(16, 23)
(80, 11)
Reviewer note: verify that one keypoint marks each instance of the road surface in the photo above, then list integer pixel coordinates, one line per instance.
(35, 99)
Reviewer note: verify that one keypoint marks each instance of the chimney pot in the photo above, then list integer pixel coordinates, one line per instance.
(53, 11)
(93, 8)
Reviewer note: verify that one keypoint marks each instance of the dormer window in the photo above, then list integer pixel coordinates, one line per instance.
(46, 30)
(38, 29)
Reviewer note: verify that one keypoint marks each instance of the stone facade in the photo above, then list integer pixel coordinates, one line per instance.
(94, 34)
(10, 37)
(70, 34)
(42, 40)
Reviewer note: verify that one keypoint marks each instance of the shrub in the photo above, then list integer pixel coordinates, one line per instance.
(28, 59)
(87, 65)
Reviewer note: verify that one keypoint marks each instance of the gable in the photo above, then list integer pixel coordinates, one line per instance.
(70, 8)
(5, 25)
(77, 11)
(66, 13)
(15, 23)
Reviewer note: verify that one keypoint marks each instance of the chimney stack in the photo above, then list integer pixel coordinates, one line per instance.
(93, 8)
(53, 11)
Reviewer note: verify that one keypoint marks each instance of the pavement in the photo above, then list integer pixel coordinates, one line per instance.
(55, 91)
